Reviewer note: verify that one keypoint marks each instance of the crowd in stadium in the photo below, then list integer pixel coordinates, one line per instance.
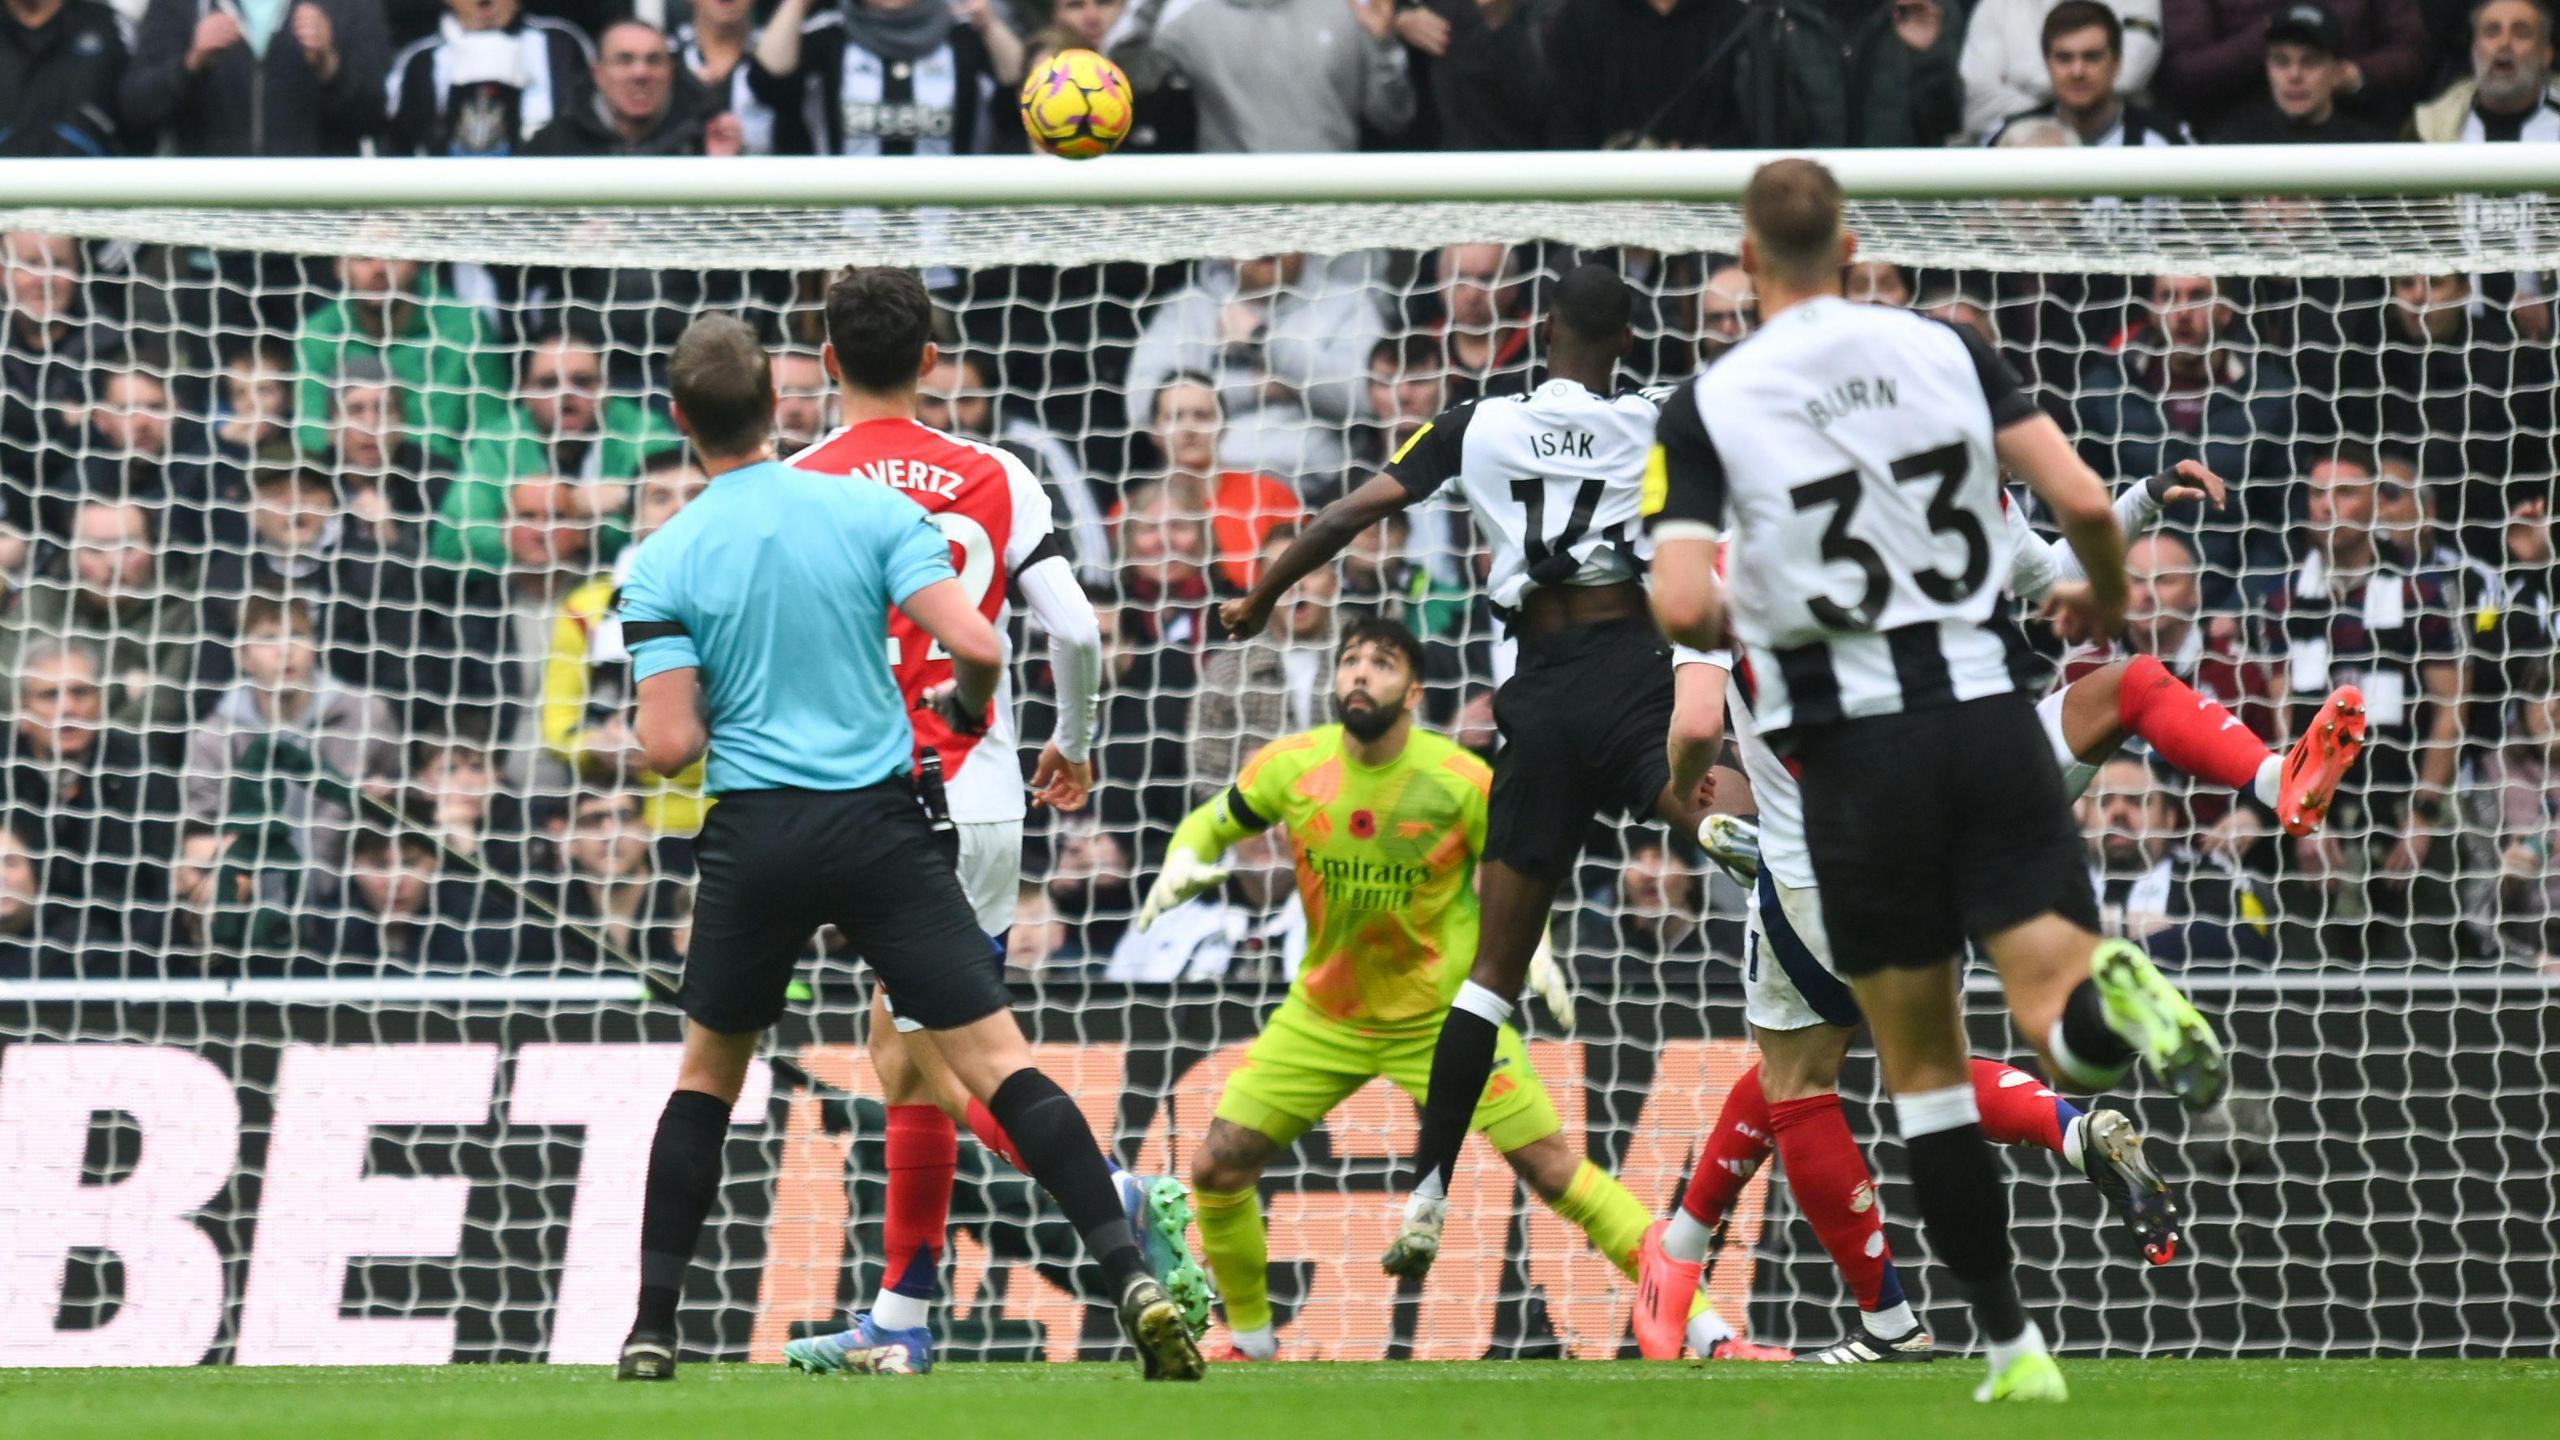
(309, 560)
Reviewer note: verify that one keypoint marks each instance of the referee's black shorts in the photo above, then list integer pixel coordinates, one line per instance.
(1934, 826)
(777, 864)
(1585, 723)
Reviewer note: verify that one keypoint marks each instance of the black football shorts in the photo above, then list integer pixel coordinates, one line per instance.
(1586, 724)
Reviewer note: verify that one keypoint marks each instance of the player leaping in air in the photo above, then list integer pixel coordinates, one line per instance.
(995, 516)
(1803, 1018)
(1387, 822)
(1555, 478)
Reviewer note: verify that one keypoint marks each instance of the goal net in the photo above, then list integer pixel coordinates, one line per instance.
(320, 726)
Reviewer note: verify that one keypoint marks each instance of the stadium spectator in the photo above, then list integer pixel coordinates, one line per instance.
(2352, 612)
(1088, 893)
(1152, 673)
(451, 375)
(398, 911)
(2449, 382)
(1284, 341)
(713, 44)
(2509, 97)
(1658, 920)
(959, 396)
(1631, 74)
(1168, 115)
(1038, 936)
(587, 699)
(97, 804)
(640, 102)
(454, 798)
(1837, 73)
(1486, 329)
(1408, 385)
(2307, 72)
(1293, 76)
(280, 750)
(1484, 66)
(201, 887)
(1877, 282)
(2521, 782)
(253, 403)
(487, 81)
(393, 485)
(1232, 508)
(1277, 683)
(1725, 312)
(113, 588)
(138, 449)
(2216, 60)
(1959, 306)
(308, 83)
(2188, 386)
(566, 435)
(2084, 77)
(38, 941)
(618, 903)
(60, 64)
(304, 545)
(802, 396)
(2156, 887)
(883, 77)
(2005, 65)
(52, 353)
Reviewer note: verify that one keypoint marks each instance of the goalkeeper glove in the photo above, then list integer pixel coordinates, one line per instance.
(1184, 876)
(1547, 978)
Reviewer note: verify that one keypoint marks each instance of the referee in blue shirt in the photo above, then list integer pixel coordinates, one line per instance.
(758, 626)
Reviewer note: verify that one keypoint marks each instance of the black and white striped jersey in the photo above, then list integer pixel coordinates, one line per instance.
(1555, 477)
(1846, 452)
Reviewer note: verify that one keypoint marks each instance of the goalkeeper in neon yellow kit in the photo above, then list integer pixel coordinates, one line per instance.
(1387, 822)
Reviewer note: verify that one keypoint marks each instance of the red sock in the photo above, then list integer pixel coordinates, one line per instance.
(2190, 731)
(1836, 1192)
(921, 1153)
(984, 1129)
(2017, 1108)
(1735, 1148)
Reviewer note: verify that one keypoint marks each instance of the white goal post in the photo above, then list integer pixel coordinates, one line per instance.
(265, 1125)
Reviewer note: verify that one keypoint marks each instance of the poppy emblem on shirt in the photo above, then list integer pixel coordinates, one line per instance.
(1363, 825)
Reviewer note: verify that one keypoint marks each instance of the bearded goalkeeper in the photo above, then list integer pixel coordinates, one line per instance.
(1387, 823)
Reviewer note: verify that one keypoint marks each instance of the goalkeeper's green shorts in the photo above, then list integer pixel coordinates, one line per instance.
(1304, 1065)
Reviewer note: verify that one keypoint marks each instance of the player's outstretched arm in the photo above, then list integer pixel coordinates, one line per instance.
(1061, 609)
(1191, 857)
(1335, 526)
(943, 611)
(2036, 450)
(1688, 599)
(1697, 721)
(670, 726)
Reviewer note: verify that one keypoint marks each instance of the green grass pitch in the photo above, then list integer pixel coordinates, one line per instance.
(2123, 1399)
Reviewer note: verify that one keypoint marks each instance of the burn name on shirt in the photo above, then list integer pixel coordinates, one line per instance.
(1369, 884)
(1850, 396)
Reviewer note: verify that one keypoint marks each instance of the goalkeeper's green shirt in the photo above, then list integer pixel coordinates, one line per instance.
(1386, 868)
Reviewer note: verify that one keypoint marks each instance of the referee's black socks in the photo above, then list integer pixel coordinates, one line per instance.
(1964, 1204)
(1058, 1149)
(684, 1178)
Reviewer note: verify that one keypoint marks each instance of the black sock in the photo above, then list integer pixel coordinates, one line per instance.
(1964, 1210)
(684, 1178)
(1058, 1149)
(2085, 1030)
(1460, 1065)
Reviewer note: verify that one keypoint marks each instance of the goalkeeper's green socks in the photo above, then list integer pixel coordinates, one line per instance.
(1239, 1254)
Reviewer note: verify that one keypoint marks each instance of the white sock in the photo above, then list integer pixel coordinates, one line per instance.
(1892, 1322)
(1930, 1112)
(2270, 782)
(2079, 1073)
(1707, 1330)
(2073, 1141)
(893, 1311)
(1478, 1001)
(1685, 1238)
(2028, 1342)
(1260, 1342)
